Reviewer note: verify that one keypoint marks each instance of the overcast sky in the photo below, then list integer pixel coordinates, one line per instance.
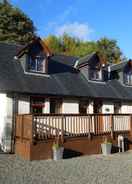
(86, 19)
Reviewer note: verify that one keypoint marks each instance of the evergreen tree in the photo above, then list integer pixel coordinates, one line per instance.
(15, 26)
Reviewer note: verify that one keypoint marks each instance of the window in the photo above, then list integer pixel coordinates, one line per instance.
(95, 74)
(55, 106)
(128, 78)
(127, 73)
(37, 105)
(37, 64)
(83, 107)
(97, 108)
(117, 108)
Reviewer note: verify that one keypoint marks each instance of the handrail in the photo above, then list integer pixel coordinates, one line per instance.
(68, 114)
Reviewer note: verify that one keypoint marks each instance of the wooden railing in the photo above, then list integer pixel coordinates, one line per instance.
(46, 126)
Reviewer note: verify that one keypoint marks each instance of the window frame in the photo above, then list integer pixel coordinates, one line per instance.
(30, 60)
(37, 102)
(94, 72)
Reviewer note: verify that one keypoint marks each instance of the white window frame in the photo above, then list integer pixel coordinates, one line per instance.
(30, 60)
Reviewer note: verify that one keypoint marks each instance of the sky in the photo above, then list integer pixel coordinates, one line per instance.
(86, 19)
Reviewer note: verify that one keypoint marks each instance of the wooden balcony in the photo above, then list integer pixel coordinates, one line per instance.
(35, 129)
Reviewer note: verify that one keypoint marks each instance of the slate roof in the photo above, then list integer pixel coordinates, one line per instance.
(63, 79)
(118, 66)
(86, 60)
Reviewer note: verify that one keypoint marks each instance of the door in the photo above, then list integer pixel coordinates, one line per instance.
(98, 118)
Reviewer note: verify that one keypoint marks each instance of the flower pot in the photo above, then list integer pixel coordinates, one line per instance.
(58, 153)
(106, 148)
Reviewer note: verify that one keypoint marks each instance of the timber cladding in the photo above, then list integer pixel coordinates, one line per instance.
(81, 135)
(78, 145)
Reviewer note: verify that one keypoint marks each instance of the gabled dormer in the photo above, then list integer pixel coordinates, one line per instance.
(127, 73)
(92, 67)
(34, 57)
(122, 72)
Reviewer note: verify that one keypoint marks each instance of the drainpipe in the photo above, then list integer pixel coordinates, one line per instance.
(15, 110)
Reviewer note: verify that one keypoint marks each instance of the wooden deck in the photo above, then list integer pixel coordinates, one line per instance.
(36, 133)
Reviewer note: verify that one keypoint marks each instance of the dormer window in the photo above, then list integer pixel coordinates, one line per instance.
(128, 78)
(95, 74)
(128, 73)
(37, 64)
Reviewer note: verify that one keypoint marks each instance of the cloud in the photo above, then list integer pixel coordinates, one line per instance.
(76, 29)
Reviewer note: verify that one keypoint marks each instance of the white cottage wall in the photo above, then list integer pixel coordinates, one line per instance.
(6, 117)
(108, 108)
(70, 107)
(24, 105)
(126, 108)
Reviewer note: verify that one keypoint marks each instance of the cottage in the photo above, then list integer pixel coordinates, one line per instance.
(33, 80)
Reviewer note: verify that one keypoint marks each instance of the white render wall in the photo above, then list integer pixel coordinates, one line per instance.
(70, 107)
(6, 114)
(126, 108)
(107, 107)
(24, 105)
(2, 114)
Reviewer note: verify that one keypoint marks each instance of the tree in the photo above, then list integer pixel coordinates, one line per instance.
(69, 45)
(54, 44)
(15, 26)
(109, 50)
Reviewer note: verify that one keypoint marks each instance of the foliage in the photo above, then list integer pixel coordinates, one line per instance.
(15, 26)
(55, 146)
(106, 141)
(54, 43)
(109, 50)
(106, 48)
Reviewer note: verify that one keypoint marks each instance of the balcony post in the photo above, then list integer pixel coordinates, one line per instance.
(33, 128)
(112, 126)
(62, 129)
(131, 125)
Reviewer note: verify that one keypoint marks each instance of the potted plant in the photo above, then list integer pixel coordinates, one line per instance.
(106, 147)
(58, 150)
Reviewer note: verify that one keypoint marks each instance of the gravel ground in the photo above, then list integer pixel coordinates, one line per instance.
(95, 169)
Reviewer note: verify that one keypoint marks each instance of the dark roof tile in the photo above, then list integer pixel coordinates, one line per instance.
(62, 80)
